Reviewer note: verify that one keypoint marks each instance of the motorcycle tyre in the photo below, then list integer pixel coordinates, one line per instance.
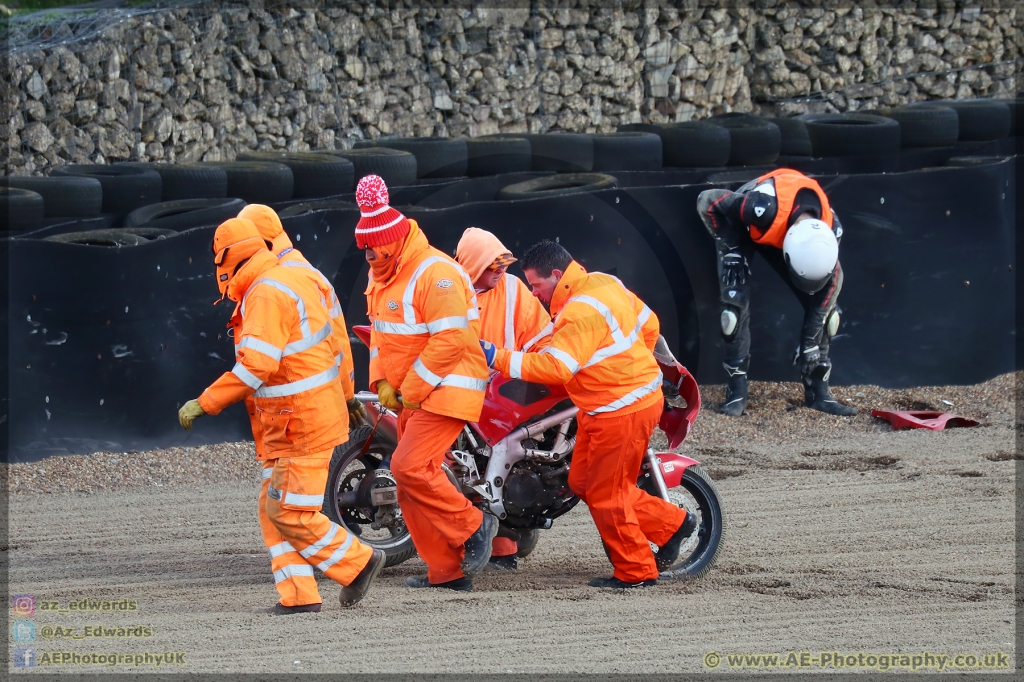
(397, 549)
(698, 484)
(527, 542)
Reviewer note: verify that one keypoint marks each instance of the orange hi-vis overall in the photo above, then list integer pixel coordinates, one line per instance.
(287, 362)
(787, 184)
(601, 350)
(511, 317)
(425, 342)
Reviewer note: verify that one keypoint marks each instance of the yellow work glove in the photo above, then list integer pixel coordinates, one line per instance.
(410, 406)
(387, 395)
(188, 413)
(357, 415)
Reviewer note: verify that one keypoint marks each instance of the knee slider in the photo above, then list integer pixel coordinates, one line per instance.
(730, 320)
(832, 323)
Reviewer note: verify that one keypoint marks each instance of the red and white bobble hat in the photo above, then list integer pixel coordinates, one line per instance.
(379, 224)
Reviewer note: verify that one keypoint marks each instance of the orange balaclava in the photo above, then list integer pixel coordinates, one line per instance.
(269, 224)
(235, 241)
(480, 250)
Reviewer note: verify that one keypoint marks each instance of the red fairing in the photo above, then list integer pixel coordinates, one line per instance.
(362, 332)
(672, 467)
(676, 422)
(501, 415)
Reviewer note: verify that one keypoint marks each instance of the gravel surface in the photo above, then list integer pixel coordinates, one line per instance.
(841, 535)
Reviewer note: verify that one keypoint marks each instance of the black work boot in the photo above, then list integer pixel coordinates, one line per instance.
(503, 563)
(816, 393)
(669, 552)
(617, 584)
(737, 389)
(462, 584)
(357, 589)
(478, 546)
(280, 609)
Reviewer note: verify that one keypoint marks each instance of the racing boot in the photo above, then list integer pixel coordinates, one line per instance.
(478, 546)
(816, 393)
(737, 388)
(669, 552)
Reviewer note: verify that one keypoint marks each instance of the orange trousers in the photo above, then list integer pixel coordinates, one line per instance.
(298, 536)
(440, 519)
(605, 466)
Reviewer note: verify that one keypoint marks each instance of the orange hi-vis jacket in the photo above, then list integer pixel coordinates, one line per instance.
(601, 348)
(286, 360)
(787, 183)
(512, 318)
(425, 336)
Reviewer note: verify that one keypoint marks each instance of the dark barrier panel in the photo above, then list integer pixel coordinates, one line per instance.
(106, 344)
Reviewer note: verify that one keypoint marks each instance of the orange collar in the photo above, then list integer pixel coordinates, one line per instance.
(415, 244)
(249, 273)
(570, 282)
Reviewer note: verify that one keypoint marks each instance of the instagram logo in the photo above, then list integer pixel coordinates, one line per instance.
(23, 605)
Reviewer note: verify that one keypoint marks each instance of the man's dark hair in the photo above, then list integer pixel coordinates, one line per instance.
(544, 257)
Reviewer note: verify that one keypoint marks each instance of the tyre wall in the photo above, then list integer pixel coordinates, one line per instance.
(105, 344)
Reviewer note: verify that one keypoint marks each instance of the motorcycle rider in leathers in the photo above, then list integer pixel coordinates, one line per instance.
(784, 216)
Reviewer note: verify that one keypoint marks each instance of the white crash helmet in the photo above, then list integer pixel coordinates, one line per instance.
(811, 252)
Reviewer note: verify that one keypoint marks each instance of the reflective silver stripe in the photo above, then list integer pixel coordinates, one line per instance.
(459, 381)
(260, 346)
(455, 322)
(303, 319)
(309, 341)
(563, 357)
(644, 315)
(408, 313)
(510, 312)
(620, 346)
(303, 500)
(631, 397)
(337, 359)
(472, 313)
(299, 386)
(606, 313)
(399, 328)
(515, 365)
(321, 543)
(280, 548)
(293, 571)
(267, 473)
(338, 555)
(548, 329)
(374, 352)
(247, 377)
(335, 311)
(423, 373)
(620, 343)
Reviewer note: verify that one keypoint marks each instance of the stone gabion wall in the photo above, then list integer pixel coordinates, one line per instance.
(204, 81)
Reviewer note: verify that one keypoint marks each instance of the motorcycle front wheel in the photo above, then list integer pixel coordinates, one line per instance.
(353, 474)
(697, 494)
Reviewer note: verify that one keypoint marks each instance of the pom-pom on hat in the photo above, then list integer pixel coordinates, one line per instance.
(379, 224)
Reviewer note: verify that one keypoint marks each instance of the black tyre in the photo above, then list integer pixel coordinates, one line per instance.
(63, 197)
(347, 497)
(697, 494)
(313, 206)
(125, 188)
(925, 125)
(436, 157)
(185, 213)
(20, 209)
(150, 233)
(627, 151)
(186, 180)
(795, 140)
(557, 185)
(397, 168)
(257, 182)
(972, 161)
(116, 238)
(737, 177)
(497, 154)
(853, 135)
(980, 120)
(753, 141)
(527, 542)
(315, 175)
(694, 144)
(561, 152)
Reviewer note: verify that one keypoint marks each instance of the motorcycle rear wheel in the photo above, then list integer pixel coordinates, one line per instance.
(698, 494)
(348, 468)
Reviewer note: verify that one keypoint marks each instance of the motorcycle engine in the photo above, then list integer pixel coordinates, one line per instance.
(536, 490)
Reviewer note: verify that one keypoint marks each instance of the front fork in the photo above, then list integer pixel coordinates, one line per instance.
(653, 465)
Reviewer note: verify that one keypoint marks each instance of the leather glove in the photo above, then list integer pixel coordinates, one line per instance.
(734, 269)
(490, 350)
(188, 413)
(387, 395)
(357, 415)
(410, 406)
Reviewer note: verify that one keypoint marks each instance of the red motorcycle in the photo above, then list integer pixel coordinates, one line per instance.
(515, 462)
